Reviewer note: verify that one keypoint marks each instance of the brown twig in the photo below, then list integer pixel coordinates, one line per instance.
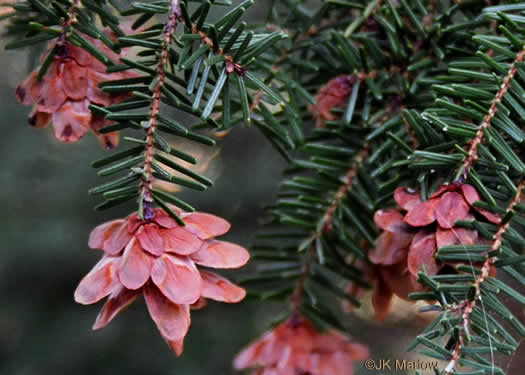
(169, 30)
(466, 307)
(231, 64)
(256, 100)
(410, 131)
(345, 188)
(71, 16)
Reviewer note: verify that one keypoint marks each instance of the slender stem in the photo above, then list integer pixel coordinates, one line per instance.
(412, 135)
(468, 306)
(345, 188)
(146, 186)
(256, 99)
(298, 293)
(71, 16)
(68, 23)
(472, 156)
(231, 64)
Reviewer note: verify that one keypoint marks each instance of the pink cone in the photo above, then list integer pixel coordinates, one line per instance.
(413, 233)
(150, 258)
(70, 84)
(296, 346)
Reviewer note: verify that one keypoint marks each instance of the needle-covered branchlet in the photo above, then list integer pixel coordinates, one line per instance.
(151, 125)
(472, 155)
(466, 308)
(326, 225)
(175, 16)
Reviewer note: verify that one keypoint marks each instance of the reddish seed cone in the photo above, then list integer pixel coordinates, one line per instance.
(412, 234)
(159, 259)
(332, 95)
(297, 347)
(69, 86)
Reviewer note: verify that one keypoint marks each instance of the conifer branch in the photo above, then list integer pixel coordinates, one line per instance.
(472, 155)
(209, 54)
(467, 307)
(325, 223)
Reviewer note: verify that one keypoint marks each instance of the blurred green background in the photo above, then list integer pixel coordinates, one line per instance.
(45, 223)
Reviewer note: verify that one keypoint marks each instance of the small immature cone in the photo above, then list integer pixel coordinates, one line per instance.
(412, 234)
(70, 84)
(159, 259)
(297, 347)
(333, 94)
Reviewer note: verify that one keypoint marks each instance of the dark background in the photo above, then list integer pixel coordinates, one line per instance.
(46, 217)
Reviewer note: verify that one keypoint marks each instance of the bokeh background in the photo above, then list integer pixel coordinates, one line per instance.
(45, 219)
